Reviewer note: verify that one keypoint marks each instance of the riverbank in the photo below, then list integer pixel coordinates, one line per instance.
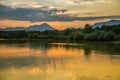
(58, 41)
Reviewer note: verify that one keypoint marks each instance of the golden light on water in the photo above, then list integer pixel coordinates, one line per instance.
(57, 62)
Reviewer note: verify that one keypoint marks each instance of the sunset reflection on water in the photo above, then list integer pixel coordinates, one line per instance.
(58, 61)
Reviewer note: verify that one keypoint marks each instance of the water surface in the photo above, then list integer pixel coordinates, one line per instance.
(59, 61)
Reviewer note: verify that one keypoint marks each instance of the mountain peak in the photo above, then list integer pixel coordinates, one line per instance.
(41, 27)
(111, 22)
(44, 24)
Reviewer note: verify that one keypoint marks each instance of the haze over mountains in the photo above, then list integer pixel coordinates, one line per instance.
(111, 22)
(45, 26)
(41, 27)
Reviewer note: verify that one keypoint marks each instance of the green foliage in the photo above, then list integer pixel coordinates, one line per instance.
(117, 37)
(33, 36)
(105, 36)
(100, 35)
(105, 33)
(78, 36)
(88, 28)
(91, 36)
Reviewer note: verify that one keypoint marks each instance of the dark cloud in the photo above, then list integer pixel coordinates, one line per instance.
(43, 14)
(29, 14)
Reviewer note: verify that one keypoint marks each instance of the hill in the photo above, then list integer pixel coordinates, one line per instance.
(111, 22)
(42, 27)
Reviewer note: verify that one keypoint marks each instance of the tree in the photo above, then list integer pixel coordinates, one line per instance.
(33, 36)
(91, 36)
(77, 35)
(105, 36)
(88, 29)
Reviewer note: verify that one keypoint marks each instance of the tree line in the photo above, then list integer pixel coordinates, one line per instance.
(104, 33)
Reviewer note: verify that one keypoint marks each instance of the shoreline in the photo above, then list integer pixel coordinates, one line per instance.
(60, 41)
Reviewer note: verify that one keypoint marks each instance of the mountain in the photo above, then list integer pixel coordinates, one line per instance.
(14, 29)
(41, 27)
(111, 22)
(0, 29)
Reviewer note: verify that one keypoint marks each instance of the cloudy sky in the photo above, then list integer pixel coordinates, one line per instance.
(58, 13)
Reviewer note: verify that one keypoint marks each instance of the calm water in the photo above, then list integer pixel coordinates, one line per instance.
(59, 61)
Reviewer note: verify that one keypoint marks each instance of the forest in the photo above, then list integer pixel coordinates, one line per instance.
(104, 33)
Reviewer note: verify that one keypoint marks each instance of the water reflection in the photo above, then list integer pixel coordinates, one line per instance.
(59, 61)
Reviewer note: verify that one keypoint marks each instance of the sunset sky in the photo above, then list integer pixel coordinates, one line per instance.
(58, 13)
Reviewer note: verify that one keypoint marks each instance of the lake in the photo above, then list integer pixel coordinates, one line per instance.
(59, 61)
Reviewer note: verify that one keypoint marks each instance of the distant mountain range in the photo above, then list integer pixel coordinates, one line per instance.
(12, 29)
(111, 22)
(45, 26)
(42, 27)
